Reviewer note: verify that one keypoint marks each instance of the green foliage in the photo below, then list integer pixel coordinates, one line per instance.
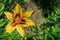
(52, 22)
(51, 25)
(3, 20)
(48, 6)
(1, 7)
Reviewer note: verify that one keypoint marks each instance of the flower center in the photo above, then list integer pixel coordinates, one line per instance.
(18, 20)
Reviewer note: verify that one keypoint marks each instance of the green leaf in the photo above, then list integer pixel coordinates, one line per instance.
(1, 20)
(3, 23)
(1, 7)
(4, 1)
(1, 13)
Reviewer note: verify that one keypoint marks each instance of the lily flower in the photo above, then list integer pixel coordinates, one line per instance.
(18, 20)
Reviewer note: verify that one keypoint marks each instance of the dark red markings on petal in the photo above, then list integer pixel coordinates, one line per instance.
(22, 23)
(17, 15)
(23, 20)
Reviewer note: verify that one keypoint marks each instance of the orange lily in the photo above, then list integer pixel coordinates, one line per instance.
(18, 20)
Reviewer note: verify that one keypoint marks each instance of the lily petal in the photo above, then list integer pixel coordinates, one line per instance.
(27, 14)
(9, 15)
(28, 23)
(20, 30)
(18, 10)
(9, 28)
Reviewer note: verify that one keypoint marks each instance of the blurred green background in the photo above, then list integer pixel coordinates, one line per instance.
(49, 30)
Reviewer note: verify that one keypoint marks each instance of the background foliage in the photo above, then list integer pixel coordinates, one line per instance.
(51, 24)
(49, 30)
